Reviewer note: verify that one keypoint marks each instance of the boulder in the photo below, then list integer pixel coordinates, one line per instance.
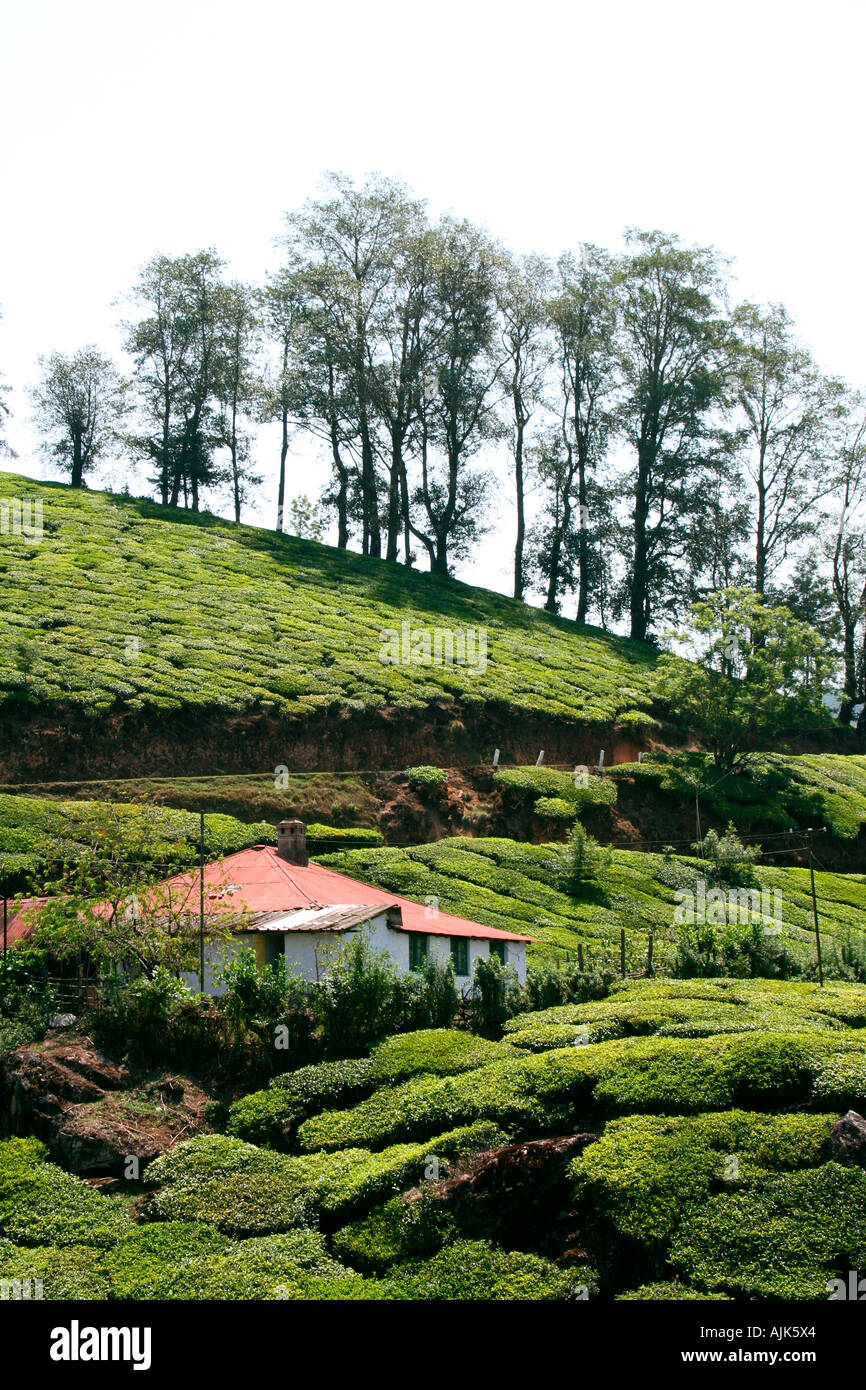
(848, 1140)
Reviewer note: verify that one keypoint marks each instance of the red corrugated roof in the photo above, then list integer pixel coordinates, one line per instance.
(258, 880)
(19, 923)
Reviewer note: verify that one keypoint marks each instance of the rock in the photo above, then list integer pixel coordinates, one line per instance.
(848, 1140)
(62, 1021)
(519, 1194)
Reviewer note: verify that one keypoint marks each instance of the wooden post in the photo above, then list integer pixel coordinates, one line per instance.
(201, 904)
(580, 954)
(622, 951)
(815, 914)
(649, 954)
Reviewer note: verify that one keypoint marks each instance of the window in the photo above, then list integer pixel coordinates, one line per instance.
(417, 950)
(497, 949)
(460, 955)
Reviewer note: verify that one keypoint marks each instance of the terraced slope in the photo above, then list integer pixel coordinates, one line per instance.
(639, 1146)
(506, 884)
(123, 603)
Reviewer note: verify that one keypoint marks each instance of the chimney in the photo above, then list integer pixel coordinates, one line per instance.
(292, 842)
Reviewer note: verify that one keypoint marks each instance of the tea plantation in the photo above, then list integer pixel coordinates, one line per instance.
(511, 885)
(705, 1170)
(122, 604)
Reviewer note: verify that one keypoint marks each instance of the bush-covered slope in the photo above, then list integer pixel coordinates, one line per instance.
(37, 835)
(776, 791)
(699, 1161)
(509, 885)
(125, 603)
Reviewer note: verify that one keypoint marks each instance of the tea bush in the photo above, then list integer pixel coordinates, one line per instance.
(66, 1272)
(40, 1204)
(646, 1173)
(785, 1239)
(474, 1269)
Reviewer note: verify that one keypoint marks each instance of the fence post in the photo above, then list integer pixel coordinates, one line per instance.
(580, 954)
(622, 951)
(649, 954)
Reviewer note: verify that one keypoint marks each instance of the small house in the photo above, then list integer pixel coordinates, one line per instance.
(288, 908)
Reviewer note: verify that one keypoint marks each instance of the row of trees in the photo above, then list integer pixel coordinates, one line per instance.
(662, 444)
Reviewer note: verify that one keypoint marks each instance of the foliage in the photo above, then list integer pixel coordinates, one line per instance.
(584, 861)
(42, 1205)
(646, 1174)
(474, 1269)
(66, 1271)
(437, 1051)
(786, 1239)
(207, 600)
(495, 996)
(396, 1231)
(427, 778)
(510, 885)
(755, 673)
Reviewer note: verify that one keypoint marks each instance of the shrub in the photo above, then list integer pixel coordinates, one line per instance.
(292, 1265)
(733, 860)
(784, 1240)
(151, 1261)
(263, 1117)
(400, 1230)
(359, 1000)
(439, 1051)
(555, 808)
(68, 1272)
(260, 998)
(211, 1156)
(427, 778)
(327, 1085)
(42, 1205)
(243, 1203)
(583, 860)
(495, 997)
(473, 1269)
(661, 1293)
(646, 1173)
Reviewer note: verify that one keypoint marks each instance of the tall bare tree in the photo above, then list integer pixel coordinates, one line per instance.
(522, 290)
(788, 410)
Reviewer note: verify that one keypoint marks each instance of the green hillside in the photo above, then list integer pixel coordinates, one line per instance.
(509, 885)
(124, 603)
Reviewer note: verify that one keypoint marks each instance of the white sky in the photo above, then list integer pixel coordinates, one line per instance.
(174, 124)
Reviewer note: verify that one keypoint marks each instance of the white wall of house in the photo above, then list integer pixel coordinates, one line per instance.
(309, 952)
(216, 957)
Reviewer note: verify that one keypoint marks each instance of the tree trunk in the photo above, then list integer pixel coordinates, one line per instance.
(519, 582)
(582, 542)
(284, 453)
(639, 606)
(77, 459)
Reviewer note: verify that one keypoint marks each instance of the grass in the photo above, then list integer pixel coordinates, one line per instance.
(125, 604)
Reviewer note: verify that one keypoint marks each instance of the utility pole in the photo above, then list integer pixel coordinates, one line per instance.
(201, 903)
(815, 910)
